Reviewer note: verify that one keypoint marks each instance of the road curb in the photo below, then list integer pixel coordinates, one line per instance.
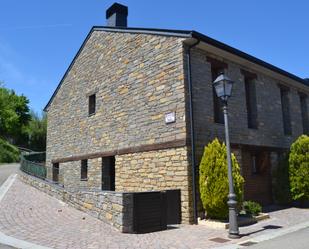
(264, 237)
(6, 185)
(11, 241)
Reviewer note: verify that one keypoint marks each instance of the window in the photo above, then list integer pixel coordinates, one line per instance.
(91, 104)
(304, 112)
(249, 79)
(259, 162)
(108, 173)
(84, 170)
(285, 106)
(56, 172)
(217, 67)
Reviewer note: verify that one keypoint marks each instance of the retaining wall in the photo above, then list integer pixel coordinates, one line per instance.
(114, 208)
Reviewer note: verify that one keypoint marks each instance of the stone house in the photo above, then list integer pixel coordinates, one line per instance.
(122, 115)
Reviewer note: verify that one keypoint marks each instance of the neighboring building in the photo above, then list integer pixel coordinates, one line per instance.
(120, 117)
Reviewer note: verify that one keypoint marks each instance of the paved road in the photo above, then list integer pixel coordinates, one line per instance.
(6, 170)
(295, 240)
(6, 247)
(28, 214)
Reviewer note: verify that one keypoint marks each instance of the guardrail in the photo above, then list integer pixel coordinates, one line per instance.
(34, 164)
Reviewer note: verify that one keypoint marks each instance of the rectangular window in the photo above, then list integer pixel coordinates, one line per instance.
(84, 170)
(217, 67)
(218, 105)
(304, 112)
(251, 102)
(56, 172)
(91, 104)
(259, 162)
(285, 106)
(108, 173)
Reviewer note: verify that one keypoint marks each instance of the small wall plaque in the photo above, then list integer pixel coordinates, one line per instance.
(170, 117)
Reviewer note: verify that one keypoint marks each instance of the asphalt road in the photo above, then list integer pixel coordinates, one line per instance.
(6, 170)
(295, 240)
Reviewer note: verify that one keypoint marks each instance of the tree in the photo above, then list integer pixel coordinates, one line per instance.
(213, 180)
(36, 132)
(14, 115)
(299, 168)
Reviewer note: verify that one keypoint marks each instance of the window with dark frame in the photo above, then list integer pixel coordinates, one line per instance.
(56, 172)
(251, 105)
(285, 106)
(304, 112)
(84, 170)
(217, 67)
(91, 104)
(108, 173)
(259, 162)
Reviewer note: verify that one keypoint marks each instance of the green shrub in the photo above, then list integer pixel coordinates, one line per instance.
(252, 208)
(299, 168)
(213, 180)
(8, 152)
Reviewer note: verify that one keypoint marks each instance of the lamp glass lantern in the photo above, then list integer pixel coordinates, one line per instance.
(223, 86)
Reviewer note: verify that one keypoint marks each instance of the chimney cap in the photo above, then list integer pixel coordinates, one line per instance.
(117, 8)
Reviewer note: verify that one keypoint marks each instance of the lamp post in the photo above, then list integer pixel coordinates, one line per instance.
(223, 86)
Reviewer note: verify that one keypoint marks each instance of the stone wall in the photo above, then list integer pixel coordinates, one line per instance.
(157, 170)
(137, 79)
(71, 174)
(269, 114)
(114, 208)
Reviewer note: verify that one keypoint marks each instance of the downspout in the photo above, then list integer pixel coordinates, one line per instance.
(193, 162)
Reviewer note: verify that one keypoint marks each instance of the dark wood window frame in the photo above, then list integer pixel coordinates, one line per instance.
(259, 162)
(84, 170)
(91, 104)
(217, 67)
(285, 107)
(56, 172)
(303, 98)
(251, 104)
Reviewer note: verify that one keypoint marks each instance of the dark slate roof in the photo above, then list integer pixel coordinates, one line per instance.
(184, 34)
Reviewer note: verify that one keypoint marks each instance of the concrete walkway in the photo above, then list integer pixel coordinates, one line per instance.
(28, 215)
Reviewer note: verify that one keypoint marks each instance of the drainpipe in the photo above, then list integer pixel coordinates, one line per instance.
(194, 194)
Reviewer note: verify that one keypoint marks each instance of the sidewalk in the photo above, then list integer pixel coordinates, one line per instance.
(32, 216)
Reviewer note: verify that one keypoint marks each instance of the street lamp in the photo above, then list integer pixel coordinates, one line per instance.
(223, 86)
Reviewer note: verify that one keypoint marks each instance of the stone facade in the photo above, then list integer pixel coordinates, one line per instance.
(114, 208)
(70, 175)
(138, 78)
(270, 126)
(269, 136)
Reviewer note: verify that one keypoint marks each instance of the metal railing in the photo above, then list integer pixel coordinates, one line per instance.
(34, 164)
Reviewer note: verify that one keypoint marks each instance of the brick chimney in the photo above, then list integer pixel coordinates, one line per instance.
(116, 15)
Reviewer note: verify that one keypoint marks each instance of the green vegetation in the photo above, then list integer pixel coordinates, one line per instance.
(252, 208)
(19, 126)
(281, 183)
(214, 180)
(8, 152)
(299, 169)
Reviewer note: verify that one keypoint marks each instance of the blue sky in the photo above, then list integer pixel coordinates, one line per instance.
(38, 39)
